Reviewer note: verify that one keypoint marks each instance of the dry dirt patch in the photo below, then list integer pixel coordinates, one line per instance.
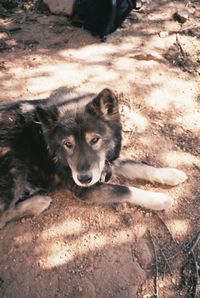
(73, 250)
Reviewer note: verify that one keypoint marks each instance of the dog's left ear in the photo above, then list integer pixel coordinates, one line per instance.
(105, 105)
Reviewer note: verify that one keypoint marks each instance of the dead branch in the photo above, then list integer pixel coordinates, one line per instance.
(196, 166)
(180, 46)
(195, 243)
(166, 260)
(196, 273)
(155, 266)
(193, 267)
(191, 251)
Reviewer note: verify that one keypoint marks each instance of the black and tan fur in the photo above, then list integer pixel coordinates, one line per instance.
(45, 146)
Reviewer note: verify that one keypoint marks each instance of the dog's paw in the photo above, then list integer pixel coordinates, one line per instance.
(160, 201)
(150, 200)
(35, 205)
(170, 176)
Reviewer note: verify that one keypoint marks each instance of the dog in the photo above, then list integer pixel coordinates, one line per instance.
(45, 146)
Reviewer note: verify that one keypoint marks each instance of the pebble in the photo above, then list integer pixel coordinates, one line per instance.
(128, 220)
(181, 15)
(4, 35)
(118, 207)
(174, 281)
(163, 34)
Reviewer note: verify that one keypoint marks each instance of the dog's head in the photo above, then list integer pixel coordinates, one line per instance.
(83, 138)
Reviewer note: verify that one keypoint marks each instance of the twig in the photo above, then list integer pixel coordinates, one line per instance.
(196, 273)
(180, 46)
(175, 255)
(196, 166)
(166, 260)
(195, 243)
(191, 251)
(155, 266)
(195, 279)
(166, 227)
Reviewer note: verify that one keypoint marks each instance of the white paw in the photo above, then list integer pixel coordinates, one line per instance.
(41, 203)
(170, 176)
(160, 201)
(150, 200)
(35, 205)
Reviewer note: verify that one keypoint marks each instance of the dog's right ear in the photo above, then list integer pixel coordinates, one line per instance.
(47, 115)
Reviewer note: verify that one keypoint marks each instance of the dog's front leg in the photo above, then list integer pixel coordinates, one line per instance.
(30, 207)
(137, 170)
(110, 193)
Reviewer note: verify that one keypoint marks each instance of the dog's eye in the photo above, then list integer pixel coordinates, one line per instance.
(68, 144)
(94, 140)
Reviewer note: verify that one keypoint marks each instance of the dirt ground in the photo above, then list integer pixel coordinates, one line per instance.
(153, 63)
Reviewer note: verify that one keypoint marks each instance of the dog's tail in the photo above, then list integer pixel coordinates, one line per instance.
(131, 169)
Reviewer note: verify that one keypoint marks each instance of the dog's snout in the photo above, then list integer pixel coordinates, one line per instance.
(85, 178)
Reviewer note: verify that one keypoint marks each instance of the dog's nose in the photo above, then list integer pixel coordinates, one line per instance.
(85, 178)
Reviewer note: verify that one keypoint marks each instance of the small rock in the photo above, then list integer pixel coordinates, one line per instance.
(163, 34)
(147, 214)
(23, 220)
(4, 35)
(118, 207)
(161, 285)
(181, 15)
(128, 220)
(143, 287)
(135, 17)
(174, 281)
(12, 43)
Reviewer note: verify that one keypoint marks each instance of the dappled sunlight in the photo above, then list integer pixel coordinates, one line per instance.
(59, 253)
(190, 121)
(173, 93)
(179, 227)
(96, 53)
(67, 228)
(152, 65)
(94, 66)
(133, 120)
(178, 158)
(140, 229)
(146, 140)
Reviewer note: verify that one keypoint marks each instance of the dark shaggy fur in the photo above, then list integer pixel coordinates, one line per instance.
(45, 146)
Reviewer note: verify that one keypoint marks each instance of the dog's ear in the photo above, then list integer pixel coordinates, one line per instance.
(105, 105)
(47, 115)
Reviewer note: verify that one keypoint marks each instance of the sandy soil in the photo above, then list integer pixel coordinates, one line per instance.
(153, 63)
